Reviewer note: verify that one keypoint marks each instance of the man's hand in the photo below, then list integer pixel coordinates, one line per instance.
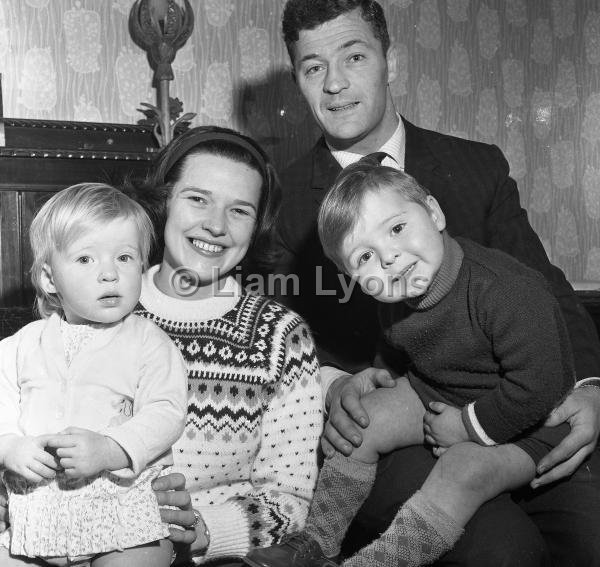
(170, 491)
(83, 453)
(443, 427)
(581, 409)
(346, 413)
(26, 457)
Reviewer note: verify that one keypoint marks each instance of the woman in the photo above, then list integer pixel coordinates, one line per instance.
(249, 451)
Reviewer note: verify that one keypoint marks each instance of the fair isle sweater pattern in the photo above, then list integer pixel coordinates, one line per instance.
(249, 450)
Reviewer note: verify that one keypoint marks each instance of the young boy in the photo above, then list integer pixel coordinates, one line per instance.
(481, 354)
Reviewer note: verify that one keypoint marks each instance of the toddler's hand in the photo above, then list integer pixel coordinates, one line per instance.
(443, 426)
(26, 457)
(83, 453)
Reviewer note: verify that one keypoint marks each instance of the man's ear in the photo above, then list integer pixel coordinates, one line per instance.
(392, 63)
(47, 281)
(436, 213)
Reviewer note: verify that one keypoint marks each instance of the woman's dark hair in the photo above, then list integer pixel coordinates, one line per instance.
(154, 191)
(299, 15)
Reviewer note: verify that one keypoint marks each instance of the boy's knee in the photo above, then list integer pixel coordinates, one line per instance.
(381, 434)
(395, 417)
(375, 436)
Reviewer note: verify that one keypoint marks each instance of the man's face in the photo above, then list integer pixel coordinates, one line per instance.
(343, 74)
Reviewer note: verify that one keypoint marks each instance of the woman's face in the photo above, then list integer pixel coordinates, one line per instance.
(211, 217)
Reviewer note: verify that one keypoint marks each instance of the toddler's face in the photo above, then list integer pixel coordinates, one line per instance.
(98, 277)
(396, 247)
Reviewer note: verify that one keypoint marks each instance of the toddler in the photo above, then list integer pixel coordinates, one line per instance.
(91, 396)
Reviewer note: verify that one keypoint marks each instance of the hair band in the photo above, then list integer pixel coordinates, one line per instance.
(204, 137)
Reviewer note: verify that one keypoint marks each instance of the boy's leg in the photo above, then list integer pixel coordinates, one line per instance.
(430, 522)
(156, 554)
(500, 530)
(396, 419)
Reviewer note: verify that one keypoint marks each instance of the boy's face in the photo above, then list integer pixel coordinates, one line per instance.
(98, 276)
(396, 247)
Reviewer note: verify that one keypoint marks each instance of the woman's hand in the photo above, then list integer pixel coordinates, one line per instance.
(581, 409)
(170, 491)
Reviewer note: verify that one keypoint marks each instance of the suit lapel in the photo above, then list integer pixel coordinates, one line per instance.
(427, 154)
(420, 160)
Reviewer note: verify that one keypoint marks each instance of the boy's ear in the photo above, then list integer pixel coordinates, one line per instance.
(437, 215)
(47, 281)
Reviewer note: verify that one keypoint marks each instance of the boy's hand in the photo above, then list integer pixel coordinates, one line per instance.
(26, 457)
(443, 427)
(83, 453)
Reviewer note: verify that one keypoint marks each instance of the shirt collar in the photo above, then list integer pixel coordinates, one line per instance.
(394, 147)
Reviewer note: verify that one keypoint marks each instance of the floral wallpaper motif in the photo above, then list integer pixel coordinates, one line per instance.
(522, 74)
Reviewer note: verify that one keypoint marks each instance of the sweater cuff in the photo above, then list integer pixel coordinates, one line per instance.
(592, 381)
(228, 529)
(134, 449)
(473, 427)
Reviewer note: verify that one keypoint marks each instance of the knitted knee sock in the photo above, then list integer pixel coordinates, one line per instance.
(343, 486)
(418, 535)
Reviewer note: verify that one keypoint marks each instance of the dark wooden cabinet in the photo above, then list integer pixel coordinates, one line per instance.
(38, 158)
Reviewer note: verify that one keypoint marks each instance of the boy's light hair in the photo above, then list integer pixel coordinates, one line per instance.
(339, 210)
(70, 213)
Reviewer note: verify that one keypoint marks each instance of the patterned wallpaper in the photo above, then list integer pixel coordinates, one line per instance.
(523, 74)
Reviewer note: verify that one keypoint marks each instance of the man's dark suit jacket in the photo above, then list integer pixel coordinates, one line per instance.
(471, 182)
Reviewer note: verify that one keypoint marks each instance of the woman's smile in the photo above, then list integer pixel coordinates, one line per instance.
(207, 247)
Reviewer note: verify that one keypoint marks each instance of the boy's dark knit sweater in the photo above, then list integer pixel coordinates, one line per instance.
(487, 329)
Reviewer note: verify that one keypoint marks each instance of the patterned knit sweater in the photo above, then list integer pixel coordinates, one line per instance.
(249, 450)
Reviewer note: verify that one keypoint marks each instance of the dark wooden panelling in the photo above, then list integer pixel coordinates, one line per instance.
(10, 249)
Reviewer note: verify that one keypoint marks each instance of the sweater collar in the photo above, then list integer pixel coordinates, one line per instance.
(444, 279)
(172, 308)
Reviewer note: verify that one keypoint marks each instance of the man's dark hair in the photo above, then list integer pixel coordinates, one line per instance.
(301, 15)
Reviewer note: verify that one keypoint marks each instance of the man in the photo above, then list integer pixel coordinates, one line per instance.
(343, 64)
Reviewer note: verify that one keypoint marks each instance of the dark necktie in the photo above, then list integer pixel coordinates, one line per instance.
(375, 158)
